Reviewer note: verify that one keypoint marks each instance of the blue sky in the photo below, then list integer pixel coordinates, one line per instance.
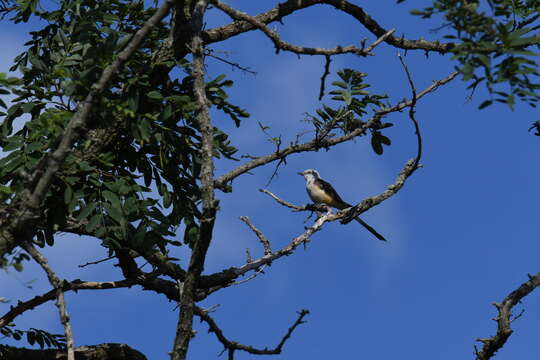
(462, 233)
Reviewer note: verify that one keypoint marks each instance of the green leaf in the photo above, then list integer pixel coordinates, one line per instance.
(87, 210)
(340, 84)
(376, 144)
(112, 198)
(93, 223)
(30, 337)
(385, 140)
(68, 195)
(485, 104)
(116, 215)
(155, 95)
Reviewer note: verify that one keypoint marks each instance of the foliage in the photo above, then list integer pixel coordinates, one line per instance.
(34, 336)
(351, 91)
(494, 45)
(134, 179)
(110, 189)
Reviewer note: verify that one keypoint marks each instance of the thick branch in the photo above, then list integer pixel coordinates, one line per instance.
(184, 330)
(504, 319)
(101, 351)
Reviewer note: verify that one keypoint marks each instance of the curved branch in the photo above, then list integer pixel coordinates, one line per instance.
(282, 45)
(504, 319)
(289, 7)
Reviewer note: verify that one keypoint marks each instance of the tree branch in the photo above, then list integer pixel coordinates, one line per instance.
(231, 346)
(315, 144)
(282, 45)
(101, 352)
(504, 318)
(23, 306)
(184, 329)
(59, 293)
(260, 235)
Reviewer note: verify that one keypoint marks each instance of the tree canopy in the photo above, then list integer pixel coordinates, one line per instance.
(116, 127)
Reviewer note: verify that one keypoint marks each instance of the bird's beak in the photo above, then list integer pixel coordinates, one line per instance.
(301, 173)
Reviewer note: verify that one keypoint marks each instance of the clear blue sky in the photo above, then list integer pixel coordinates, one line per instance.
(462, 233)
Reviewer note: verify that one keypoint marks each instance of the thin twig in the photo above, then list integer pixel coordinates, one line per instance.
(59, 293)
(234, 65)
(231, 346)
(412, 109)
(283, 202)
(96, 262)
(328, 60)
(379, 40)
(251, 277)
(264, 240)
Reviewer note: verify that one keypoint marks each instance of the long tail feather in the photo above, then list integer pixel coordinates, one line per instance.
(370, 229)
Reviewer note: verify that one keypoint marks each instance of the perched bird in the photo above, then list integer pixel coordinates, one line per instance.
(322, 192)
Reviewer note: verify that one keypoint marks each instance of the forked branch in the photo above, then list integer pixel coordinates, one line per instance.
(232, 346)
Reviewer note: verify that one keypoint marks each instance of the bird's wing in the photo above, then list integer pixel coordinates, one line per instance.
(334, 200)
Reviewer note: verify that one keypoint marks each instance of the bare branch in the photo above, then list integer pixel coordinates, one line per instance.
(493, 344)
(328, 60)
(231, 346)
(23, 306)
(282, 202)
(282, 45)
(291, 6)
(411, 115)
(96, 262)
(260, 235)
(391, 190)
(59, 293)
(315, 144)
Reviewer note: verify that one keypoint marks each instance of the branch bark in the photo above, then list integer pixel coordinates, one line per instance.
(184, 329)
(504, 318)
(101, 351)
(59, 294)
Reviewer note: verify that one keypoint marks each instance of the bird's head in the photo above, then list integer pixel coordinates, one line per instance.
(310, 174)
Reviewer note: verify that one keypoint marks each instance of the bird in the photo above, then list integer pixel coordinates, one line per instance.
(321, 192)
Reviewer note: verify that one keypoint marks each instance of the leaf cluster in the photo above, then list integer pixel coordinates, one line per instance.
(494, 45)
(34, 336)
(351, 91)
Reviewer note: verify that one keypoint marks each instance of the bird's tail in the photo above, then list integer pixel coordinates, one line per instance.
(370, 229)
